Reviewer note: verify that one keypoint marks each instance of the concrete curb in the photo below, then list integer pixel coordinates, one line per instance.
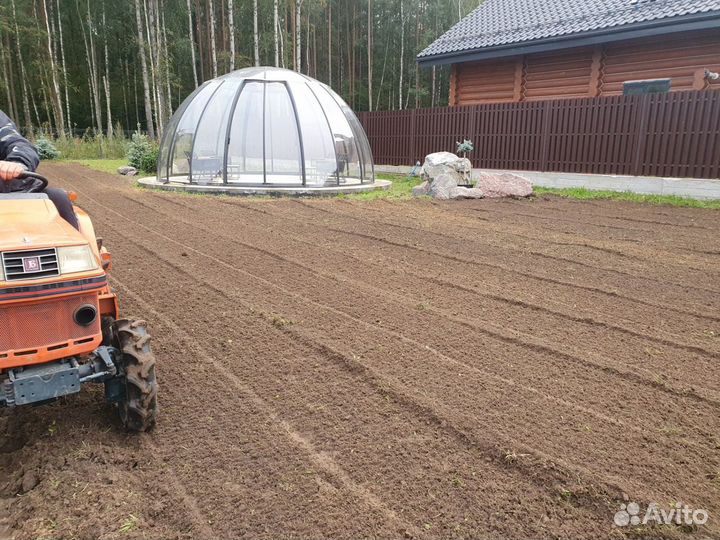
(272, 191)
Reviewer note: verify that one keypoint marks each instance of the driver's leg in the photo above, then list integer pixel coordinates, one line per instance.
(62, 202)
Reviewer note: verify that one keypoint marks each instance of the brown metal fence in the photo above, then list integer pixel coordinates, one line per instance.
(675, 134)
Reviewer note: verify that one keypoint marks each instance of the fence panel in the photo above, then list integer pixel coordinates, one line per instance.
(675, 134)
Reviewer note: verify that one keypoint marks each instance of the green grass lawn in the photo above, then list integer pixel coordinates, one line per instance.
(401, 188)
(588, 194)
(402, 185)
(102, 165)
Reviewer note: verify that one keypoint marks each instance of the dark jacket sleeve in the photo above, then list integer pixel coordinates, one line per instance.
(15, 147)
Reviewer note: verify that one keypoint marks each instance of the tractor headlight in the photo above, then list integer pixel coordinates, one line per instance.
(76, 259)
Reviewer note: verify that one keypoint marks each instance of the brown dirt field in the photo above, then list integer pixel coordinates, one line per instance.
(335, 368)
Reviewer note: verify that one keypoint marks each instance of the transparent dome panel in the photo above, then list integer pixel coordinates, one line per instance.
(283, 156)
(182, 145)
(245, 160)
(318, 147)
(344, 140)
(209, 146)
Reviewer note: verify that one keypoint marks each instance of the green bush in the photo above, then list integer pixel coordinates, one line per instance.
(46, 149)
(142, 153)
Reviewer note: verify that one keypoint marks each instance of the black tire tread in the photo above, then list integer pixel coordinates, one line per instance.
(139, 410)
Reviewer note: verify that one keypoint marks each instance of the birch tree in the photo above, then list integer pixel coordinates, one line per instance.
(276, 29)
(256, 33)
(143, 65)
(192, 45)
(402, 55)
(231, 24)
(106, 79)
(56, 96)
(64, 67)
(370, 54)
(298, 35)
(213, 49)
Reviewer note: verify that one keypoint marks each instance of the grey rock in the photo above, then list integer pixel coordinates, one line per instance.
(443, 186)
(127, 170)
(503, 184)
(446, 163)
(421, 190)
(461, 192)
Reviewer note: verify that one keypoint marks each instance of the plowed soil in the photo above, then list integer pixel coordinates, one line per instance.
(410, 369)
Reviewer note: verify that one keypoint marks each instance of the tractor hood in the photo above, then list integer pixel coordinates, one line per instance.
(31, 221)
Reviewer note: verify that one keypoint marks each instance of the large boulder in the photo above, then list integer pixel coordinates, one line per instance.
(442, 172)
(442, 186)
(445, 163)
(503, 184)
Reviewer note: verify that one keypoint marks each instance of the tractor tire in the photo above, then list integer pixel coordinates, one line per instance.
(139, 408)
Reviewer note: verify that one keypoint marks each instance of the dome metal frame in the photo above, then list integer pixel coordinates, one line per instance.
(360, 143)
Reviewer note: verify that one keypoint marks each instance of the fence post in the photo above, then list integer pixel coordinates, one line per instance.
(413, 138)
(641, 135)
(473, 135)
(545, 137)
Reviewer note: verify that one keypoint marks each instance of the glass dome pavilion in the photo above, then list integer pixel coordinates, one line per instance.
(265, 126)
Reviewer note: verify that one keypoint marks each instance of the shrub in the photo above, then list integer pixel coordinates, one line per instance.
(465, 147)
(142, 153)
(46, 149)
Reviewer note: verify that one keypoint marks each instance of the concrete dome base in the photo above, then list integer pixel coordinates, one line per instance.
(274, 191)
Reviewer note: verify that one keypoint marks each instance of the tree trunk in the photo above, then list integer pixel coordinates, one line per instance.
(370, 55)
(402, 54)
(198, 31)
(94, 78)
(56, 95)
(64, 68)
(276, 29)
(213, 49)
(23, 75)
(106, 79)
(143, 65)
(330, 44)
(192, 45)
(307, 44)
(231, 23)
(166, 57)
(256, 34)
(298, 35)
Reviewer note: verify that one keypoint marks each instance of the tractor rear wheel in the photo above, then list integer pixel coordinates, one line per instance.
(139, 407)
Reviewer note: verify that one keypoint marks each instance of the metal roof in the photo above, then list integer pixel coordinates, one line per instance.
(514, 24)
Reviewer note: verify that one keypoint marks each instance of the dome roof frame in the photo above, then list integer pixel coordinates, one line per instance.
(357, 139)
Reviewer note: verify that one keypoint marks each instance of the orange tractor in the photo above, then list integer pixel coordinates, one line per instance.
(59, 324)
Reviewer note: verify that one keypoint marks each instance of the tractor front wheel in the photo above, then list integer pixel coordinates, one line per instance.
(138, 407)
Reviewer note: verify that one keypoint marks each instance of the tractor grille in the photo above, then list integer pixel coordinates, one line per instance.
(33, 264)
(31, 326)
(27, 327)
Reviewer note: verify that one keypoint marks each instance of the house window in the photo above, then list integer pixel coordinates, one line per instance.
(653, 86)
